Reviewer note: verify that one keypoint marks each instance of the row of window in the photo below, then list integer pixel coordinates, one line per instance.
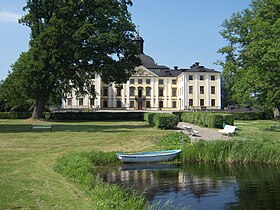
(148, 81)
(201, 90)
(201, 102)
(161, 90)
(148, 103)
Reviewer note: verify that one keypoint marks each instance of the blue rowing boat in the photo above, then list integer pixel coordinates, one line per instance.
(144, 157)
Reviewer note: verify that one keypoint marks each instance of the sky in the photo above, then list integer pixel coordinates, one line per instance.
(176, 33)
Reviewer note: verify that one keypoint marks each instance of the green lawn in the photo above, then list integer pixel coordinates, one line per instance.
(27, 178)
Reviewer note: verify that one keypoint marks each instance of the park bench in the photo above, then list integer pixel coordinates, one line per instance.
(275, 128)
(41, 127)
(228, 130)
(190, 130)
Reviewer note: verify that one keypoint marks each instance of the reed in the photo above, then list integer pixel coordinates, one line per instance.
(237, 151)
(82, 168)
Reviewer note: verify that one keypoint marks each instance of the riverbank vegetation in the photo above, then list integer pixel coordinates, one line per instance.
(255, 142)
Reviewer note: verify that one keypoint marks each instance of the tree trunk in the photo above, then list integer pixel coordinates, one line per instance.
(39, 109)
(276, 113)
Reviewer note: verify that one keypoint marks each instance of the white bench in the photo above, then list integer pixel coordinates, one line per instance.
(228, 130)
(41, 127)
(190, 130)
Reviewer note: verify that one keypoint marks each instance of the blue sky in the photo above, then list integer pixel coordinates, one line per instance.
(176, 33)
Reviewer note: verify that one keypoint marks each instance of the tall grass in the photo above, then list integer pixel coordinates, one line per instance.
(237, 151)
(82, 168)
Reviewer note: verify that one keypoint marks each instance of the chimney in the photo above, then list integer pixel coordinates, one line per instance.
(176, 67)
(196, 63)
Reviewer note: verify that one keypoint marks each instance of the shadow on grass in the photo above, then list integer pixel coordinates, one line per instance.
(21, 128)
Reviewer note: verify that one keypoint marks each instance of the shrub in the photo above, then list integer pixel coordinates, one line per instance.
(15, 115)
(166, 121)
(150, 118)
(206, 119)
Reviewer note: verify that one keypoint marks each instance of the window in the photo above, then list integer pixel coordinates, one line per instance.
(190, 89)
(148, 91)
(132, 91)
(174, 91)
(69, 101)
(119, 104)
(201, 102)
(131, 81)
(139, 81)
(190, 102)
(201, 89)
(174, 104)
(81, 101)
(160, 81)
(160, 90)
(190, 77)
(91, 101)
(92, 90)
(148, 81)
(213, 102)
(119, 91)
(174, 82)
(131, 104)
(105, 103)
(201, 77)
(105, 91)
(213, 77)
(212, 89)
(160, 103)
(140, 92)
(148, 104)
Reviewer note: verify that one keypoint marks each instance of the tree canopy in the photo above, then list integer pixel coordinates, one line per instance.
(71, 41)
(251, 70)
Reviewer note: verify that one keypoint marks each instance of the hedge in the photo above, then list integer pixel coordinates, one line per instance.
(206, 119)
(149, 117)
(166, 121)
(95, 116)
(250, 115)
(15, 115)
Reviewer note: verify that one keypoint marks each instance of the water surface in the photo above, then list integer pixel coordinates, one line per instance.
(202, 186)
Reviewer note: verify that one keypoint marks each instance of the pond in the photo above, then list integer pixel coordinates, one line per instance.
(202, 186)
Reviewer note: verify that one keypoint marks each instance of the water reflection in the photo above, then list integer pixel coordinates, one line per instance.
(202, 186)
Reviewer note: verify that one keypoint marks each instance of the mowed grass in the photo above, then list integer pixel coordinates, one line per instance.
(27, 178)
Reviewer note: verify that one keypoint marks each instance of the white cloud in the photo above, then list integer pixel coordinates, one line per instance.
(6, 16)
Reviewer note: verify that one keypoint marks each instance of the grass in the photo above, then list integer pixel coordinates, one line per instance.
(27, 178)
(254, 143)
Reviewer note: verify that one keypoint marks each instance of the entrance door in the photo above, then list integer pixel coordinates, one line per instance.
(140, 104)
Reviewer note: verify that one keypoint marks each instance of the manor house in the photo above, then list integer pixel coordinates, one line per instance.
(155, 87)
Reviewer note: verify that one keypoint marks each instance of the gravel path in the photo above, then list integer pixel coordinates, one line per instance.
(204, 133)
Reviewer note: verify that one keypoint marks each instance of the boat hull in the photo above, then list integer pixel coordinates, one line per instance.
(144, 157)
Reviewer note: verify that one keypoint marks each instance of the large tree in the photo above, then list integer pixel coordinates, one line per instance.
(252, 64)
(71, 41)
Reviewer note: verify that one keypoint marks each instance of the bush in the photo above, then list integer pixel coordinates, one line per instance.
(95, 116)
(166, 121)
(15, 115)
(179, 114)
(149, 117)
(206, 119)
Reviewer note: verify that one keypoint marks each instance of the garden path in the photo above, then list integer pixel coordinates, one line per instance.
(204, 133)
